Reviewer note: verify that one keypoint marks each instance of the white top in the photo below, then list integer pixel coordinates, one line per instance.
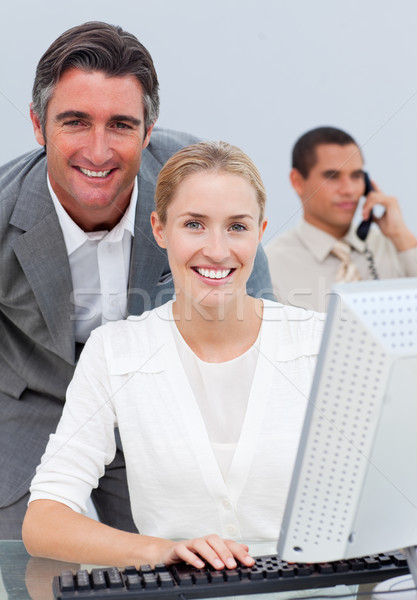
(303, 268)
(130, 375)
(222, 403)
(99, 264)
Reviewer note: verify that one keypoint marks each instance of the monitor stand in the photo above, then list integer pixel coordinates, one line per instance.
(393, 589)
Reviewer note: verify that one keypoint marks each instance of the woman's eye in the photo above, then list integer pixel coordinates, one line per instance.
(193, 225)
(237, 227)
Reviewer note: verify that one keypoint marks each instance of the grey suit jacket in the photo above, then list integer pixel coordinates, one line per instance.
(38, 352)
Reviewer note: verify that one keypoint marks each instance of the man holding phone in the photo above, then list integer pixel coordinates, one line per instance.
(325, 248)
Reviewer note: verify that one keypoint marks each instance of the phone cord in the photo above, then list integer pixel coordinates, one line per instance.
(371, 263)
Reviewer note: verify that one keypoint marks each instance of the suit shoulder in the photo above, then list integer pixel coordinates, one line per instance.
(165, 142)
(15, 172)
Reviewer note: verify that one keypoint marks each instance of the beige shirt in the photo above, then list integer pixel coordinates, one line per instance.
(303, 269)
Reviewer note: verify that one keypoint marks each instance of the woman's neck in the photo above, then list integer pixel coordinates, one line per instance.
(221, 333)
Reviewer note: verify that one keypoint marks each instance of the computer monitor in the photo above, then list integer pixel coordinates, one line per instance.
(354, 486)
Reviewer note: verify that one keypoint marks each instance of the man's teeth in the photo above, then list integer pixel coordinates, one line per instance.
(94, 173)
(212, 274)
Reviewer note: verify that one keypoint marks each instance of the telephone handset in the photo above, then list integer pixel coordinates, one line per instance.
(363, 227)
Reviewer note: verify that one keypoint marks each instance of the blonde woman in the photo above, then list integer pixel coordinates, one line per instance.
(208, 392)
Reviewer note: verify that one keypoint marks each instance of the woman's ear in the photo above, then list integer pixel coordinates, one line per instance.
(262, 228)
(157, 229)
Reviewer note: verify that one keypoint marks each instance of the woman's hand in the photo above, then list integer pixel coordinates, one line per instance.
(54, 530)
(212, 548)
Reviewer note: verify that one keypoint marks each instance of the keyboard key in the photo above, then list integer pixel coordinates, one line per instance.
(245, 572)
(256, 574)
(371, 563)
(145, 569)
(201, 577)
(356, 564)
(67, 581)
(98, 579)
(383, 559)
(325, 568)
(166, 579)
(342, 566)
(133, 581)
(232, 575)
(115, 579)
(304, 569)
(150, 581)
(400, 561)
(83, 580)
(217, 577)
(288, 571)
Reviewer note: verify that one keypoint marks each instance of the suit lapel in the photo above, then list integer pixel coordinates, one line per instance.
(148, 262)
(43, 258)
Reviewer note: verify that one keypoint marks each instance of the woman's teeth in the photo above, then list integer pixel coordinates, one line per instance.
(212, 274)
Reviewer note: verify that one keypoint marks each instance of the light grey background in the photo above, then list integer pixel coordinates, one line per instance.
(257, 73)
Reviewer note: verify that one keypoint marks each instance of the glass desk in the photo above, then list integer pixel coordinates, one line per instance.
(25, 578)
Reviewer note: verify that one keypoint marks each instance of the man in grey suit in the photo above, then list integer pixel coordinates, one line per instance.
(76, 244)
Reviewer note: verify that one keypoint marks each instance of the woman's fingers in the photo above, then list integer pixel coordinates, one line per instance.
(213, 549)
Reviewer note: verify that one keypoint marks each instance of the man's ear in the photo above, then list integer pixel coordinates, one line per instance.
(297, 181)
(157, 229)
(148, 136)
(37, 126)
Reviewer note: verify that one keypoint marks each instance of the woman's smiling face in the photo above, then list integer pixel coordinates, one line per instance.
(211, 234)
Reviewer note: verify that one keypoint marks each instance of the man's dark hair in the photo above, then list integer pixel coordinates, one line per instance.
(96, 46)
(304, 155)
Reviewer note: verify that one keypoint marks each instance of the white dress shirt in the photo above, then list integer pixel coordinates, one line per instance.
(99, 263)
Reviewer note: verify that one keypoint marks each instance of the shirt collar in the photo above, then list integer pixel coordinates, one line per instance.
(75, 237)
(320, 243)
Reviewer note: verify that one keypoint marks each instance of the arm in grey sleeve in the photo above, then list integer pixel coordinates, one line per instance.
(259, 284)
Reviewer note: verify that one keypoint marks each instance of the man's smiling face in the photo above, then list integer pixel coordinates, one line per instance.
(94, 136)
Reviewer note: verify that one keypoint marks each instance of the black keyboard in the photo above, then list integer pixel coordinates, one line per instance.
(269, 574)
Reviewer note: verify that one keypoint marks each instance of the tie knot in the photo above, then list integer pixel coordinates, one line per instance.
(342, 250)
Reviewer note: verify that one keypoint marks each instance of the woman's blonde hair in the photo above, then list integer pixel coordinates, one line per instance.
(217, 157)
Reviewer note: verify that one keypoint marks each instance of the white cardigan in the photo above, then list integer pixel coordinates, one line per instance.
(130, 376)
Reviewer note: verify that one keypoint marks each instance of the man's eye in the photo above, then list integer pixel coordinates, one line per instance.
(122, 126)
(73, 123)
(193, 225)
(237, 227)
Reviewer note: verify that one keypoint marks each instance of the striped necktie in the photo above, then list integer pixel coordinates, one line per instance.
(347, 271)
